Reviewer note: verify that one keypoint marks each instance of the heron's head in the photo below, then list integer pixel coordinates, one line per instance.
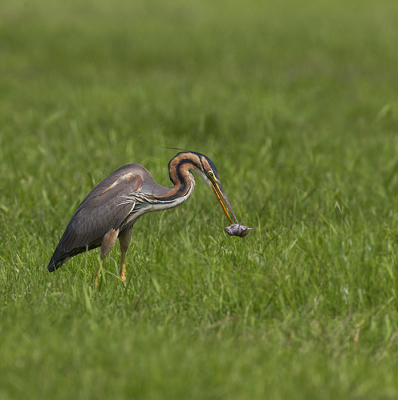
(205, 168)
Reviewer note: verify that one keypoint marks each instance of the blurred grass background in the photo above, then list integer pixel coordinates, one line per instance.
(296, 104)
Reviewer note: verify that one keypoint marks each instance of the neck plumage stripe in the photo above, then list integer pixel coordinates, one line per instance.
(184, 181)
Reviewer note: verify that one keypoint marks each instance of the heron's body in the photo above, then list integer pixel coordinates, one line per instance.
(110, 210)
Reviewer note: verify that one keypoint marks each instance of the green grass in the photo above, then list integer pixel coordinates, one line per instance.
(296, 104)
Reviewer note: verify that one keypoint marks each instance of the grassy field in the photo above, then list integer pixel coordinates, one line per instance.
(296, 103)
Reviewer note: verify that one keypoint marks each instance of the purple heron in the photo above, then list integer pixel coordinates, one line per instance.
(110, 210)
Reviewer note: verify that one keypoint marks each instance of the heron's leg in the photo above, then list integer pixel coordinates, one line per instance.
(124, 240)
(106, 246)
(97, 275)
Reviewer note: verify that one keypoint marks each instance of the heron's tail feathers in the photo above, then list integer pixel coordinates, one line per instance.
(57, 259)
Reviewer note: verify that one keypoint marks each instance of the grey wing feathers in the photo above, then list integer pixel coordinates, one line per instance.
(104, 208)
(90, 224)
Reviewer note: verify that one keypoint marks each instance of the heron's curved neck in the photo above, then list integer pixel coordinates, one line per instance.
(180, 168)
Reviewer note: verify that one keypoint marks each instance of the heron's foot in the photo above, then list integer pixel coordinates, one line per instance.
(97, 275)
(123, 278)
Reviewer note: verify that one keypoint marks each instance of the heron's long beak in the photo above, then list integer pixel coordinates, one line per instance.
(217, 189)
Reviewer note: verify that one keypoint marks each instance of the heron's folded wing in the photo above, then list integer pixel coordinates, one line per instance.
(106, 207)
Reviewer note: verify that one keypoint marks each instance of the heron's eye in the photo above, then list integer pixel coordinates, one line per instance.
(210, 174)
